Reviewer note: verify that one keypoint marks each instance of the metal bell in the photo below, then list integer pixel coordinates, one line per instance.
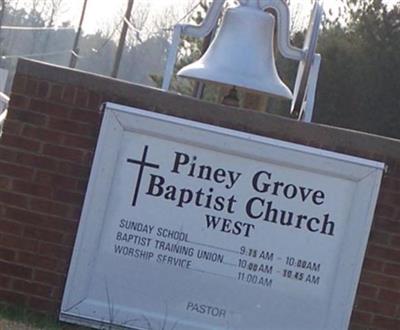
(242, 54)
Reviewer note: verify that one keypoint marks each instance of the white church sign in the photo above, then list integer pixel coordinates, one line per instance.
(188, 226)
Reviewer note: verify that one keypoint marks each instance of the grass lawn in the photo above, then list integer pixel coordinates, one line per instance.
(18, 318)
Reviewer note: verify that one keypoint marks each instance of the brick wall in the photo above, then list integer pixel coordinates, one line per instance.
(45, 157)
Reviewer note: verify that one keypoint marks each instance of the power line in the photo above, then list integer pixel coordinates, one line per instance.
(35, 28)
(75, 52)
(171, 27)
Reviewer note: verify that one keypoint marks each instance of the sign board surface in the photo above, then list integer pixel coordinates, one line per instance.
(191, 226)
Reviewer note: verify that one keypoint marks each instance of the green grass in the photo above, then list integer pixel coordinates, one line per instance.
(41, 321)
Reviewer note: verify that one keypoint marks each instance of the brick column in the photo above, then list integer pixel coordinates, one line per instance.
(45, 156)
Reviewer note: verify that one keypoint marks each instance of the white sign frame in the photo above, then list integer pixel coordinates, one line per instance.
(118, 119)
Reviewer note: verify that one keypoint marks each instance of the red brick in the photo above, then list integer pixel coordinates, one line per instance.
(63, 265)
(361, 317)
(392, 198)
(57, 181)
(68, 239)
(20, 143)
(50, 207)
(13, 127)
(386, 323)
(32, 288)
(42, 134)
(15, 270)
(76, 213)
(82, 185)
(82, 98)
(16, 171)
(19, 84)
(13, 199)
(10, 227)
(8, 154)
(78, 171)
(395, 242)
(43, 305)
(7, 254)
(49, 108)
(5, 282)
(18, 243)
(68, 95)
(373, 265)
(41, 234)
(388, 226)
(73, 127)
(36, 261)
(88, 158)
(28, 117)
(85, 116)
(358, 327)
(376, 307)
(57, 293)
(18, 101)
(95, 101)
(5, 183)
(392, 269)
(385, 211)
(32, 189)
(79, 142)
(43, 89)
(64, 153)
(40, 220)
(37, 161)
(56, 92)
(380, 280)
(49, 278)
(379, 237)
(384, 253)
(31, 87)
(392, 184)
(12, 297)
(69, 197)
(389, 296)
(55, 251)
(367, 291)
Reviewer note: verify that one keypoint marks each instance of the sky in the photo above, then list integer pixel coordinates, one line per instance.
(105, 14)
(102, 12)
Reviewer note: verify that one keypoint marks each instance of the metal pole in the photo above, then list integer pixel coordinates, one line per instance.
(122, 38)
(75, 50)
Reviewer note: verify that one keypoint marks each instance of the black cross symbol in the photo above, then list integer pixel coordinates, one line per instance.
(142, 164)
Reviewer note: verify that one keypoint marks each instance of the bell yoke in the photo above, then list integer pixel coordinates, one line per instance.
(242, 54)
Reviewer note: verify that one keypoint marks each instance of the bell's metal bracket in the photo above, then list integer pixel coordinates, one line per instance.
(283, 18)
(307, 74)
(308, 70)
(197, 31)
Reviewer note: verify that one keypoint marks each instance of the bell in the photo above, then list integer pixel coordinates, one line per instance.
(242, 54)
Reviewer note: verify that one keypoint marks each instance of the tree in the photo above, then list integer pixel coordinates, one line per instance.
(359, 85)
